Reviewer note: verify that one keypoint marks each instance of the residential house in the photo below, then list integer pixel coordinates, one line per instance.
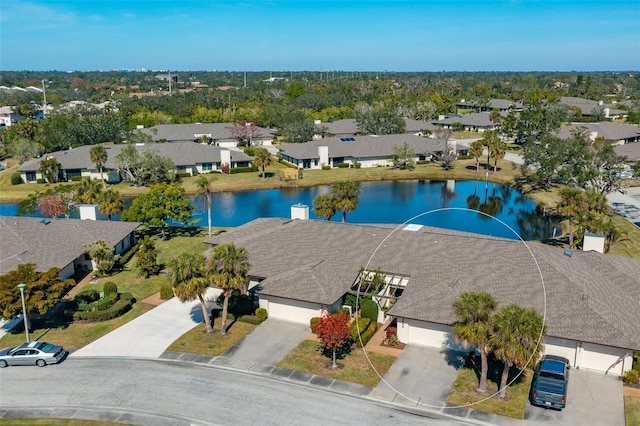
(367, 150)
(9, 116)
(617, 134)
(474, 122)
(188, 157)
(589, 300)
(218, 134)
(349, 127)
(502, 105)
(587, 107)
(58, 243)
(629, 150)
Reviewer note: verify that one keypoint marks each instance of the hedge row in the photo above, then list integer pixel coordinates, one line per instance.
(117, 309)
(250, 319)
(248, 169)
(366, 332)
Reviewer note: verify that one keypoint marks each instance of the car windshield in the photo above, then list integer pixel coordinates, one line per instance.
(45, 347)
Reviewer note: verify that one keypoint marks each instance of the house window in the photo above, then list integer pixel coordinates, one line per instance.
(207, 167)
(31, 176)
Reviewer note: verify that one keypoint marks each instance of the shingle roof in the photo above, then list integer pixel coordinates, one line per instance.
(589, 296)
(608, 130)
(348, 126)
(182, 154)
(187, 132)
(366, 146)
(477, 119)
(587, 106)
(629, 150)
(53, 243)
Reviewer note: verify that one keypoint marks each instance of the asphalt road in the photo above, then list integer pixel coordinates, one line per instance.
(163, 393)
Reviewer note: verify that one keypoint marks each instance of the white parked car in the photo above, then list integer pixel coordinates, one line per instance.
(32, 353)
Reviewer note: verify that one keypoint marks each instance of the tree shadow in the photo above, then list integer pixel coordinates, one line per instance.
(494, 371)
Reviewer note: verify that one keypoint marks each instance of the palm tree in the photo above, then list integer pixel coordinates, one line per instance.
(323, 206)
(498, 151)
(110, 203)
(189, 281)
(262, 159)
(516, 339)
(475, 150)
(98, 156)
(475, 327)
(345, 197)
(205, 191)
(228, 269)
(489, 140)
(571, 204)
(88, 191)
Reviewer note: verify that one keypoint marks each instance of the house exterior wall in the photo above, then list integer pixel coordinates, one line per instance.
(600, 358)
(67, 271)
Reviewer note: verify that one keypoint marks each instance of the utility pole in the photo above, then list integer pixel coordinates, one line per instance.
(245, 79)
(170, 81)
(44, 99)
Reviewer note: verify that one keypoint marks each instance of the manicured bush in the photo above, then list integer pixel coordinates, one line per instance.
(422, 162)
(367, 334)
(352, 300)
(166, 292)
(631, 377)
(357, 165)
(248, 169)
(125, 258)
(314, 324)
(250, 319)
(120, 307)
(343, 165)
(109, 288)
(326, 167)
(40, 180)
(105, 303)
(183, 175)
(250, 151)
(16, 179)
(360, 324)
(369, 309)
(76, 178)
(261, 313)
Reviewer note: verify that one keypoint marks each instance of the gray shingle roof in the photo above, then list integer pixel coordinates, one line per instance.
(366, 146)
(182, 154)
(187, 132)
(54, 244)
(589, 296)
(476, 119)
(587, 106)
(348, 126)
(608, 130)
(629, 150)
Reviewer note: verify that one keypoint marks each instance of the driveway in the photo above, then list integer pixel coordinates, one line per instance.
(421, 375)
(593, 399)
(149, 334)
(269, 343)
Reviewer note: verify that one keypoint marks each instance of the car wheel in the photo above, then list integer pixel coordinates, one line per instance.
(41, 363)
(3, 363)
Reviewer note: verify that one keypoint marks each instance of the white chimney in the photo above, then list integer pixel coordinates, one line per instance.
(225, 157)
(300, 211)
(607, 112)
(323, 153)
(593, 242)
(90, 212)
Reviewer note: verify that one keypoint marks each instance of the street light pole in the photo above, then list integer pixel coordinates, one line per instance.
(21, 286)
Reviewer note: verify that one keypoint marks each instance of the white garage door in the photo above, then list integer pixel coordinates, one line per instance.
(561, 347)
(597, 357)
(430, 334)
(292, 310)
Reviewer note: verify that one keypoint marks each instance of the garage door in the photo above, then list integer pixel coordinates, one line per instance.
(292, 310)
(432, 335)
(561, 347)
(597, 357)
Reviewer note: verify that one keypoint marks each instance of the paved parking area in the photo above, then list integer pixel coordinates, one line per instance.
(269, 343)
(593, 399)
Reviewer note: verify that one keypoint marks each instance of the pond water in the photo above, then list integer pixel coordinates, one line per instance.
(434, 203)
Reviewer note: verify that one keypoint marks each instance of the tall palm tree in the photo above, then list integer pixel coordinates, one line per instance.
(571, 204)
(475, 150)
(262, 159)
(498, 151)
(345, 197)
(188, 277)
(88, 191)
(489, 140)
(323, 206)
(517, 339)
(98, 156)
(205, 190)
(475, 327)
(228, 269)
(110, 203)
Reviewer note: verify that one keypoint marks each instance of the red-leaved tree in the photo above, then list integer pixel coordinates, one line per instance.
(244, 131)
(333, 332)
(51, 205)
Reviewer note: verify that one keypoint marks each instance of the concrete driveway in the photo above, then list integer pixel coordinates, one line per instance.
(421, 375)
(149, 334)
(593, 399)
(269, 343)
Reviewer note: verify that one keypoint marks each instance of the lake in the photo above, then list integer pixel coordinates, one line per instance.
(393, 202)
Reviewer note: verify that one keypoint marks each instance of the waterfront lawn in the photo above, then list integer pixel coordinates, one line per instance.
(353, 368)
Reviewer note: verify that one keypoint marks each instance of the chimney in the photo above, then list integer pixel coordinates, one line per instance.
(300, 211)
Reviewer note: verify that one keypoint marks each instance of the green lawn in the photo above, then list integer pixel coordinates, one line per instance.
(197, 341)
(354, 368)
(463, 393)
(632, 410)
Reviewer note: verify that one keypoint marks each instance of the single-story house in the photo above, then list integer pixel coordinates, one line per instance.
(218, 134)
(588, 107)
(368, 150)
(617, 133)
(58, 243)
(349, 127)
(9, 116)
(502, 105)
(629, 150)
(474, 122)
(188, 157)
(589, 300)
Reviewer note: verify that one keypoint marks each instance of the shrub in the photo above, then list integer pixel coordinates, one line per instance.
(326, 167)
(369, 309)
(104, 303)
(76, 178)
(166, 292)
(248, 169)
(239, 304)
(313, 322)
(357, 164)
(250, 319)
(343, 165)
(360, 324)
(391, 331)
(365, 332)
(392, 336)
(261, 313)
(422, 162)
(183, 175)
(109, 288)
(125, 258)
(250, 151)
(352, 299)
(40, 180)
(117, 309)
(631, 377)
(16, 179)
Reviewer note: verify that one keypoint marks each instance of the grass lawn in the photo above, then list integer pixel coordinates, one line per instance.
(354, 368)
(632, 410)
(463, 393)
(55, 422)
(197, 341)
(74, 335)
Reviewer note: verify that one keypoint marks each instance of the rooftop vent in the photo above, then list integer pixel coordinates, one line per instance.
(45, 221)
(412, 227)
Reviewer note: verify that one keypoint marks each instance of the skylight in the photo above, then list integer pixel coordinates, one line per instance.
(347, 139)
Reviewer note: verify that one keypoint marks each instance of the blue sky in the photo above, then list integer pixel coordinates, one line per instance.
(369, 35)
